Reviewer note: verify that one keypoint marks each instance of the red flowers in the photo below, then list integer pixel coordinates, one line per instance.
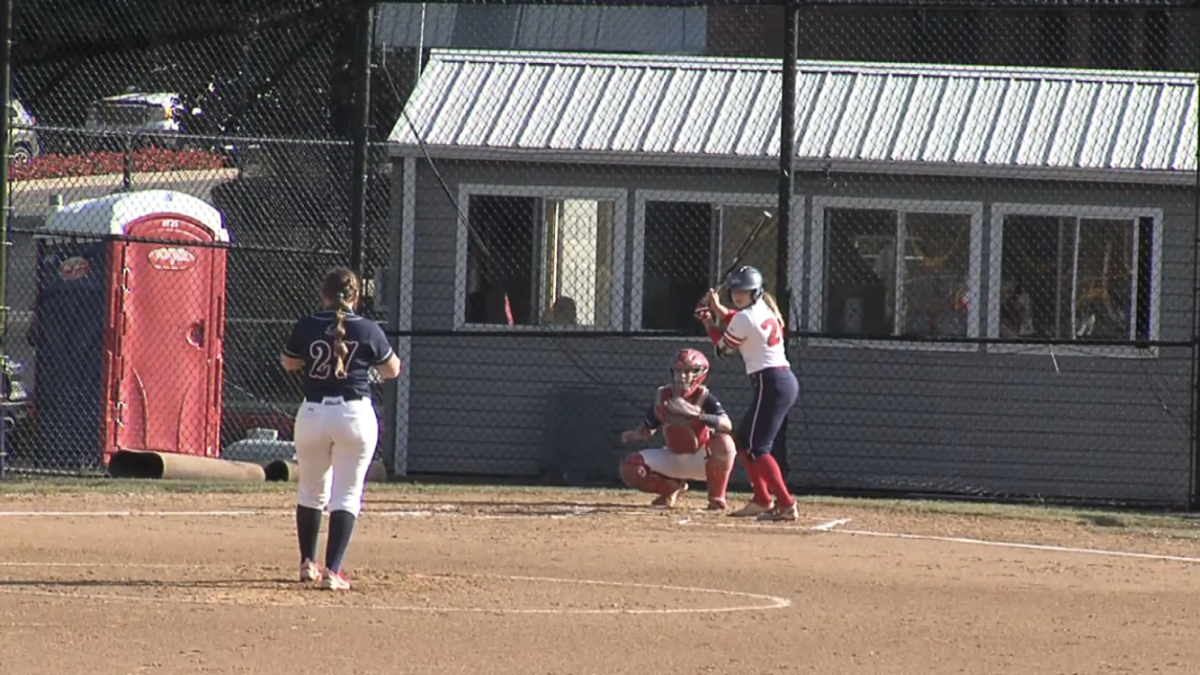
(147, 160)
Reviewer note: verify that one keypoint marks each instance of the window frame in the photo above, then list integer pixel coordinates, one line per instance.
(1084, 212)
(620, 199)
(818, 284)
(716, 199)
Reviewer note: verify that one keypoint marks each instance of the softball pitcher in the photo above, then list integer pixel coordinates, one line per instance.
(336, 429)
(755, 329)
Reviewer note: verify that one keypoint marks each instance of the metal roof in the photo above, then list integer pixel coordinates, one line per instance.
(850, 116)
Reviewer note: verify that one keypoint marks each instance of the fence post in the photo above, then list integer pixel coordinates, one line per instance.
(787, 163)
(361, 132)
(1194, 431)
(5, 199)
(127, 165)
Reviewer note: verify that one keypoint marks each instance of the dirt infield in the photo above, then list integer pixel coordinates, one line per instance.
(529, 582)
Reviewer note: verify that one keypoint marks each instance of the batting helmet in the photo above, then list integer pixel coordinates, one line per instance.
(746, 278)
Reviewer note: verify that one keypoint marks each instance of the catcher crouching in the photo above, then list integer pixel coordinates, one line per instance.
(696, 433)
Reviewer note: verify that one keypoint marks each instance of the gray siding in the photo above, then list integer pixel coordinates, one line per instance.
(973, 422)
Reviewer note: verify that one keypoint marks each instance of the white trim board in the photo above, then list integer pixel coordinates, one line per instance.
(717, 199)
(817, 286)
(995, 281)
(619, 197)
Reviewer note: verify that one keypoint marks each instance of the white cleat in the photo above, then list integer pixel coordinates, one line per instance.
(309, 572)
(333, 581)
(782, 513)
(753, 510)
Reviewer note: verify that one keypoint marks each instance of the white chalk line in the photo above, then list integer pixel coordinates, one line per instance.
(835, 527)
(1020, 545)
(832, 526)
(393, 513)
(765, 602)
(827, 526)
(822, 526)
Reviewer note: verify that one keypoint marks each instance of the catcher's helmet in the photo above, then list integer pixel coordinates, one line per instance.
(688, 371)
(746, 278)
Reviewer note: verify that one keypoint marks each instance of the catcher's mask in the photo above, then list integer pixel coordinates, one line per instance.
(688, 371)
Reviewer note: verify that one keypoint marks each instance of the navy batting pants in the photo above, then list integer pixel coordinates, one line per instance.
(775, 392)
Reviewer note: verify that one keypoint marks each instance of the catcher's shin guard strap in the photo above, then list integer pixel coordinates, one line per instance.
(639, 476)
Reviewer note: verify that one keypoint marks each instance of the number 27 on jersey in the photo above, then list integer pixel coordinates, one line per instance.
(322, 355)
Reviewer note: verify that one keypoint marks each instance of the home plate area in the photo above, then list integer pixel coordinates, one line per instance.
(696, 516)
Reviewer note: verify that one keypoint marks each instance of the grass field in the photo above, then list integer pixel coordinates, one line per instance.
(104, 576)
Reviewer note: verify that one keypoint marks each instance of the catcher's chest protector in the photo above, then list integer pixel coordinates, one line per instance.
(699, 429)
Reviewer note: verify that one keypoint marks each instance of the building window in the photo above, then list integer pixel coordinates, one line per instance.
(1077, 277)
(895, 269)
(540, 260)
(686, 246)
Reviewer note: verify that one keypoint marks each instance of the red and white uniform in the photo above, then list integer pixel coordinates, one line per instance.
(686, 449)
(755, 332)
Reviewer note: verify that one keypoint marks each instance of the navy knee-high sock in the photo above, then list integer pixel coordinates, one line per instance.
(308, 531)
(341, 526)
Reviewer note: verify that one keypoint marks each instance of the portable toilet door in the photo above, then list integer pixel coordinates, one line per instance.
(71, 343)
(167, 362)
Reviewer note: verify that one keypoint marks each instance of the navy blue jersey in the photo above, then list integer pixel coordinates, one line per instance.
(709, 406)
(312, 341)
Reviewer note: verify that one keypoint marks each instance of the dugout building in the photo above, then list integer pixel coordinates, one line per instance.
(948, 222)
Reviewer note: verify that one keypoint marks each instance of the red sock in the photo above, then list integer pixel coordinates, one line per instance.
(758, 484)
(768, 470)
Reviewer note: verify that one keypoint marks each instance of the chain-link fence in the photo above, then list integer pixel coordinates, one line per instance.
(983, 243)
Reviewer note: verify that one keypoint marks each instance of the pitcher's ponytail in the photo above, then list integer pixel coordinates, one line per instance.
(341, 287)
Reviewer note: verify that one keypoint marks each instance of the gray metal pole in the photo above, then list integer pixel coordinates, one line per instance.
(5, 198)
(420, 47)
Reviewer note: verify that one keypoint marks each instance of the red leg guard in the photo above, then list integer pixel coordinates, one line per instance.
(762, 495)
(768, 468)
(718, 466)
(639, 476)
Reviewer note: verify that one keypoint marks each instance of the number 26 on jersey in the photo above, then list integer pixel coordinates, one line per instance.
(323, 358)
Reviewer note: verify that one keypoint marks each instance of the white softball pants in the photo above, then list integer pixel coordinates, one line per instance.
(335, 443)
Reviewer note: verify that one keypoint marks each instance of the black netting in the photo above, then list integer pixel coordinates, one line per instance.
(987, 273)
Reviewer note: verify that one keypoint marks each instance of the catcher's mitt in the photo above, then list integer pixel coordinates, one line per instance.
(680, 412)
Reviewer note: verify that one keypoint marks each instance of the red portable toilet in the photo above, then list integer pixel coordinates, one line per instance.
(130, 320)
